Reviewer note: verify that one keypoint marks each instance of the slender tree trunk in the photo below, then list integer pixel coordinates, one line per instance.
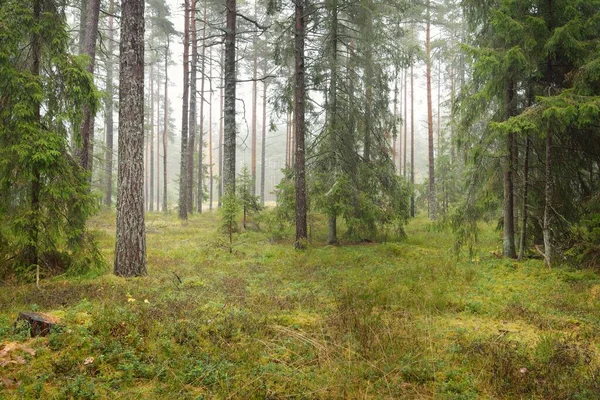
(166, 128)
(439, 109)
(151, 189)
(210, 132)
(130, 251)
(395, 152)
(146, 169)
(300, 93)
(263, 152)
(201, 140)
(404, 169)
(229, 117)
(158, 138)
(368, 118)
(522, 242)
(32, 252)
(183, 187)
(509, 227)
(109, 105)
(412, 138)
(547, 230)
(193, 108)
(253, 149)
(221, 127)
(87, 127)
(83, 8)
(332, 225)
(432, 196)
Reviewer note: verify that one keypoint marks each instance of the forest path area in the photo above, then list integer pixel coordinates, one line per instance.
(390, 320)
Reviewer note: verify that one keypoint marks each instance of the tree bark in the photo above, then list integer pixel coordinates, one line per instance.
(524, 215)
(229, 117)
(547, 230)
(300, 93)
(193, 128)
(332, 225)
(201, 139)
(87, 127)
(263, 152)
(151, 188)
(412, 138)
(509, 226)
(221, 128)
(210, 132)
(109, 106)
(166, 128)
(157, 137)
(432, 196)
(253, 149)
(404, 169)
(183, 181)
(130, 251)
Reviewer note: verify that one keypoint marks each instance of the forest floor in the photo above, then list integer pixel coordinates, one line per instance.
(371, 321)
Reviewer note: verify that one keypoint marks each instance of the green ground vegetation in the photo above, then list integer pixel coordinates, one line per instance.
(371, 321)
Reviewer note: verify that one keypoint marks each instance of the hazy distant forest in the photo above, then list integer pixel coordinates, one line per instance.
(308, 199)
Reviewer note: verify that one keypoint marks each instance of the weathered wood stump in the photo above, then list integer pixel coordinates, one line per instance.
(40, 324)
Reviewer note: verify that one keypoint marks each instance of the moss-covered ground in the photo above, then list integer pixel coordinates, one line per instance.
(370, 321)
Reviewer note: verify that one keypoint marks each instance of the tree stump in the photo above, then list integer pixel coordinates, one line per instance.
(40, 324)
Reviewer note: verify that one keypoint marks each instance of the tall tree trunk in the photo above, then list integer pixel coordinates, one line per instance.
(151, 188)
(253, 149)
(412, 138)
(431, 196)
(221, 127)
(332, 225)
(109, 105)
(229, 117)
(32, 252)
(509, 226)
(193, 108)
(87, 127)
(368, 118)
(263, 144)
(166, 128)
(404, 169)
(157, 137)
(439, 109)
(183, 187)
(146, 169)
(547, 230)
(83, 7)
(130, 251)
(201, 139)
(524, 214)
(395, 152)
(300, 93)
(210, 131)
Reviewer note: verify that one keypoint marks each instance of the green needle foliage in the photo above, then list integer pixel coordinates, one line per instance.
(44, 196)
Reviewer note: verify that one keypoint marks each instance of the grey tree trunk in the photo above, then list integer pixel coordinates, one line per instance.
(253, 149)
(87, 126)
(508, 243)
(523, 239)
(210, 132)
(83, 5)
(263, 153)
(183, 187)
(130, 251)
(404, 169)
(157, 137)
(368, 82)
(108, 164)
(332, 225)
(547, 229)
(432, 195)
(300, 94)
(201, 139)
(166, 128)
(412, 138)
(192, 112)
(221, 129)
(151, 188)
(229, 133)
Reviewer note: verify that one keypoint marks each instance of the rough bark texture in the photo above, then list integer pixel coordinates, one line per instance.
(166, 128)
(332, 225)
(547, 230)
(87, 126)
(39, 324)
(108, 163)
(221, 129)
(193, 129)
(412, 137)
(130, 252)
(229, 134)
(431, 196)
(200, 195)
(183, 188)
(524, 214)
(263, 153)
(508, 243)
(300, 94)
(151, 162)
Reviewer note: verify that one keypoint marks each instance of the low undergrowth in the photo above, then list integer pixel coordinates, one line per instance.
(391, 320)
